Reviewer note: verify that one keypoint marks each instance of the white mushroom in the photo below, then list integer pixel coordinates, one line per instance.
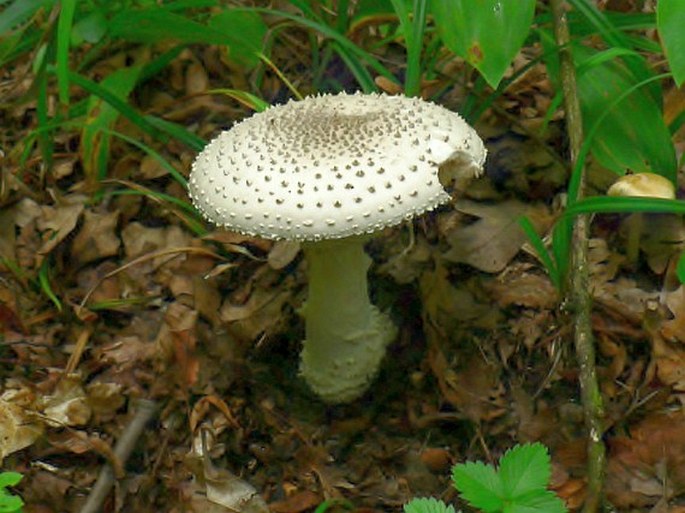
(327, 171)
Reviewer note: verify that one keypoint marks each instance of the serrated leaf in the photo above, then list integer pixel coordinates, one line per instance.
(536, 502)
(670, 20)
(479, 484)
(9, 479)
(524, 469)
(487, 33)
(10, 504)
(427, 505)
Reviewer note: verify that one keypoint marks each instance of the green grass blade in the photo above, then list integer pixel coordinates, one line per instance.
(671, 20)
(175, 174)
(592, 132)
(66, 19)
(541, 250)
(357, 69)
(45, 286)
(618, 205)
(330, 33)
(412, 30)
(248, 99)
(164, 128)
(102, 116)
(124, 109)
(414, 51)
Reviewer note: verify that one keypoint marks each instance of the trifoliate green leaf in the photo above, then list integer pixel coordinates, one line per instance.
(427, 505)
(536, 502)
(524, 469)
(479, 484)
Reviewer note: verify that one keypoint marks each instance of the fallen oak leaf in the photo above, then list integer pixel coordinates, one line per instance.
(56, 223)
(97, 238)
(492, 241)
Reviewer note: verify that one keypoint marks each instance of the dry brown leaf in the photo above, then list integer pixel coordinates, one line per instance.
(182, 322)
(203, 406)
(97, 238)
(282, 253)
(151, 168)
(492, 241)
(447, 305)
(406, 262)
(126, 352)
(674, 329)
(219, 490)
(649, 464)
(105, 398)
(80, 442)
(18, 427)
(522, 288)
(196, 79)
(468, 389)
(56, 223)
(139, 240)
(68, 404)
(663, 238)
(300, 501)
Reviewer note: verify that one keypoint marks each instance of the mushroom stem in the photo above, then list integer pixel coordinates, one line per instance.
(346, 335)
(634, 224)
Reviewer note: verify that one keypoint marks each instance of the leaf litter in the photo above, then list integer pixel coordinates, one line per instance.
(208, 326)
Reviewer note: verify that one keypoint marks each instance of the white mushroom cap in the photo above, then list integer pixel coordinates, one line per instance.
(647, 185)
(332, 166)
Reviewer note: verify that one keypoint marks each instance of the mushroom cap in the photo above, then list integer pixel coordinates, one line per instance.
(332, 166)
(647, 185)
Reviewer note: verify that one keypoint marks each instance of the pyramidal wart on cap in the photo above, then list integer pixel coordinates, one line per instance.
(329, 171)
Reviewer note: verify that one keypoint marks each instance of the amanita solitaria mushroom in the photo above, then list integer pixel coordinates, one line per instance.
(328, 171)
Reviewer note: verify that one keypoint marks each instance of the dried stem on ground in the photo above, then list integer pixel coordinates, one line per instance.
(579, 291)
(144, 412)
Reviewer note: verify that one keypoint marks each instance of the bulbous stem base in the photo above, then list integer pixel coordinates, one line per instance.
(346, 336)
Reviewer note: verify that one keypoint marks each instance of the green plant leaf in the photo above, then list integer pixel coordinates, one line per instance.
(101, 116)
(680, 268)
(156, 24)
(248, 30)
(239, 29)
(10, 503)
(66, 19)
(632, 135)
(427, 505)
(487, 33)
(480, 485)
(524, 469)
(670, 19)
(91, 28)
(9, 479)
(615, 204)
(542, 501)
(19, 11)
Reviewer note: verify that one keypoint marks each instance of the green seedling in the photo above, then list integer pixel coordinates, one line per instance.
(518, 485)
(9, 503)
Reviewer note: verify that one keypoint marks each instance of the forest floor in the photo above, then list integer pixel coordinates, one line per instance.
(207, 329)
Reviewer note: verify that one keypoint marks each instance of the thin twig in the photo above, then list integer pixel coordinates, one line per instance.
(579, 291)
(145, 410)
